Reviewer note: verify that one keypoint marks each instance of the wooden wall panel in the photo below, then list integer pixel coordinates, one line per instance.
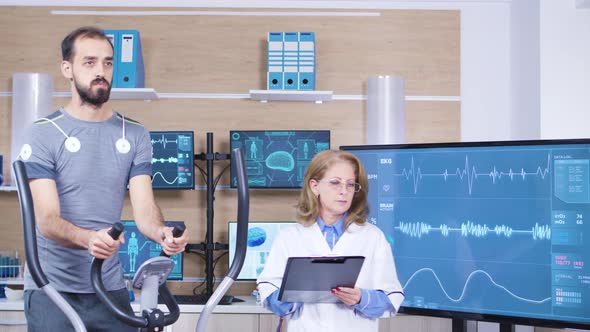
(226, 54)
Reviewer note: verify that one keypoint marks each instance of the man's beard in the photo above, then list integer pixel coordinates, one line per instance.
(97, 99)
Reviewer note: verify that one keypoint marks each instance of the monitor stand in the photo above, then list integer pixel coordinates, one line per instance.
(506, 327)
(460, 325)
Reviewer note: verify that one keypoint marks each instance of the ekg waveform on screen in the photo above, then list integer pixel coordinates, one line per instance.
(478, 273)
(469, 174)
(487, 228)
(419, 229)
(158, 176)
(170, 160)
(162, 140)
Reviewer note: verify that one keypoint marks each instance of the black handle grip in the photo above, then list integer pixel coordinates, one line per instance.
(116, 230)
(176, 232)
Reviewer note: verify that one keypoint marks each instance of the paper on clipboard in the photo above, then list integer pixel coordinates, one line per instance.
(310, 279)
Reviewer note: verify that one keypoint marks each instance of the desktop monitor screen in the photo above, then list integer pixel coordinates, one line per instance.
(487, 231)
(137, 249)
(277, 159)
(260, 238)
(173, 159)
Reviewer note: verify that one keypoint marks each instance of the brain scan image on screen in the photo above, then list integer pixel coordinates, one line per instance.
(278, 159)
(260, 238)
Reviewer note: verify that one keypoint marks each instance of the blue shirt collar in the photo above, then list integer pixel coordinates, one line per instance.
(338, 226)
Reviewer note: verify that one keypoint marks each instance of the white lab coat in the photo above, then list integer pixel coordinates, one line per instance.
(377, 272)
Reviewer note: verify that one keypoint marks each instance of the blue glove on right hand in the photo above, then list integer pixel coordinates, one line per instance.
(279, 308)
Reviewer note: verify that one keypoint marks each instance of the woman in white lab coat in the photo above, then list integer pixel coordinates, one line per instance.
(331, 215)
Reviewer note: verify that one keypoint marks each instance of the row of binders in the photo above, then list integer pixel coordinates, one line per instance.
(291, 61)
(9, 265)
(128, 69)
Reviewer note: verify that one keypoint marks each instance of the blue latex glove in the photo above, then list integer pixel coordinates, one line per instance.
(279, 308)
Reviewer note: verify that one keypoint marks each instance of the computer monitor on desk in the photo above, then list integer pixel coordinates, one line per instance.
(138, 248)
(261, 235)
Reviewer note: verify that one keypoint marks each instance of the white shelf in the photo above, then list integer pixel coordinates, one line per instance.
(12, 281)
(262, 95)
(134, 93)
(147, 94)
(291, 95)
(7, 188)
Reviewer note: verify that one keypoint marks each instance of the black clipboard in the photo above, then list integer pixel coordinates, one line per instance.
(311, 279)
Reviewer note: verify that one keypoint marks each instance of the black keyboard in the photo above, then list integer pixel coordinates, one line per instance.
(201, 299)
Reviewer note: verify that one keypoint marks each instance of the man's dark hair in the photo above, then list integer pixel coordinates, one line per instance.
(67, 45)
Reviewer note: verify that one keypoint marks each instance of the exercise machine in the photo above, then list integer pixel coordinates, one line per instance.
(241, 241)
(151, 276)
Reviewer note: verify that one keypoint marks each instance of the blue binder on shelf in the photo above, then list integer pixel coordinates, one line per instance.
(290, 61)
(275, 61)
(113, 36)
(306, 61)
(129, 62)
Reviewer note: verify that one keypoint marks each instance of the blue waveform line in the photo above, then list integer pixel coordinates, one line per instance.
(470, 173)
(418, 229)
(163, 141)
(170, 160)
(460, 298)
(163, 178)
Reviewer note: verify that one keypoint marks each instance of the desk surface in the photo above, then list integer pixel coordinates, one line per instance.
(249, 306)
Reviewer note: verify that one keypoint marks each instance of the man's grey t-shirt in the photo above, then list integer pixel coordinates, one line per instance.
(91, 184)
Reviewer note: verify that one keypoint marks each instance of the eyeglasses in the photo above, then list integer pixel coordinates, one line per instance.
(336, 184)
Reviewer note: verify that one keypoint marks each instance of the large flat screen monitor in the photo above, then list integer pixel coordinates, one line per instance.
(260, 238)
(137, 249)
(173, 159)
(487, 231)
(277, 158)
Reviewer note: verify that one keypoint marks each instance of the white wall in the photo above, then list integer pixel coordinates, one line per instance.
(485, 72)
(525, 70)
(565, 70)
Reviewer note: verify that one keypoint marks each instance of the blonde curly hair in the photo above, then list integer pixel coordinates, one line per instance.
(308, 207)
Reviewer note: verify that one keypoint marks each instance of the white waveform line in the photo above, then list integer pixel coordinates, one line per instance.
(164, 141)
(163, 178)
(460, 298)
(470, 173)
(170, 160)
(417, 229)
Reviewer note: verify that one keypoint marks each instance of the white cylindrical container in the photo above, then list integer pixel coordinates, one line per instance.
(32, 98)
(386, 110)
